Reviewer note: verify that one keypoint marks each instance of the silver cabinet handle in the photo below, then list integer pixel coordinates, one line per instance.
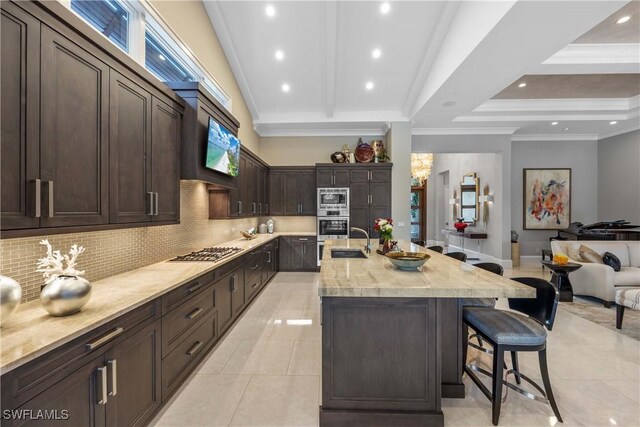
(266, 208)
(269, 259)
(194, 348)
(50, 198)
(194, 313)
(156, 204)
(259, 207)
(239, 207)
(101, 385)
(150, 193)
(113, 365)
(105, 339)
(38, 198)
(233, 282)
(303, 239)
(253, 207)
(255, 267)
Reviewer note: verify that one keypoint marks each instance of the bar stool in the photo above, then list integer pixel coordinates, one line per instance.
(460, 256)
(436, 248)
(513, 332)
(479, 302)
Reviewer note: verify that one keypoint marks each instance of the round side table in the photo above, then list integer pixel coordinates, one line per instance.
(560, 278)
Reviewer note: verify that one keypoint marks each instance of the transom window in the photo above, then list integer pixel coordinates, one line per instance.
(160, 62)
(108, 17)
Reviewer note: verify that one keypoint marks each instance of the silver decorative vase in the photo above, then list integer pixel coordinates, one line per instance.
(10, 295)
(65, 295)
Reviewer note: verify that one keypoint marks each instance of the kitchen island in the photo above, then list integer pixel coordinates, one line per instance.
(392, 339)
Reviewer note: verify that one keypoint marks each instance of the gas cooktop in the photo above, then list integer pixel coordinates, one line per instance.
(208, 254)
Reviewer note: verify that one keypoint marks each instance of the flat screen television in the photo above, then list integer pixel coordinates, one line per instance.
(223, 149)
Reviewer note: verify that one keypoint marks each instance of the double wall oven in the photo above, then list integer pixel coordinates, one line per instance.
(333, 216)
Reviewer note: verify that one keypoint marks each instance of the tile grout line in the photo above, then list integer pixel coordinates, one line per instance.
(240, 400)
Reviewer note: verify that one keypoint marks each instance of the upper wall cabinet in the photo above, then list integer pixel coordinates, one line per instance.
(20, 110)
(89, 139)
(292, 190)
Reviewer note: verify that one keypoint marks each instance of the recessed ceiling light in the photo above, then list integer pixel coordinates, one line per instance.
(522, 84)
(279, 55)
(554, 123)
(369, 85)
(270, 11)
(162, 58)
(613, 122)
(623, 19)
(376, 53)
(566, 128)
(285, 87)
(385, 8)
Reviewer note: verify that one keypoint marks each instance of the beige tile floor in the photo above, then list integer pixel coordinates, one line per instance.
(266, 371)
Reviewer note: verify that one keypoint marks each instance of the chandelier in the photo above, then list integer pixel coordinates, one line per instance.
(421, 166)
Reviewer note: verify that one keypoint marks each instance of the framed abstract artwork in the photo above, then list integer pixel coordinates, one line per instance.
(547, 199)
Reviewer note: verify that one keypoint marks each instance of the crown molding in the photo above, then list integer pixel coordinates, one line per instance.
(620, 130)
(576, 104)
(217, 19)
(284, 132)
(546, 117)
(464, 131)
(614, 53)
(555, 137)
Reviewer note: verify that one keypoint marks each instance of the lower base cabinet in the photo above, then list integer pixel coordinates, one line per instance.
(121, 373)
(298, 253)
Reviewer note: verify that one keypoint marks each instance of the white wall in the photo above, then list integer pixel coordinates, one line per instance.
(487, 169)
(305, 150)
(581, 157)
(619, 178)
(500, 145)
(399, 150)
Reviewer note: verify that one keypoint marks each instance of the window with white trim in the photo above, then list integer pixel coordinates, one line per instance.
(109, 17)
(127, 23)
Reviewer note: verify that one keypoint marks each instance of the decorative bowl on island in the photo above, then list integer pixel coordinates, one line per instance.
(408, 260)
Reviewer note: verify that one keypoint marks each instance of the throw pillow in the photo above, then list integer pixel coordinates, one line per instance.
(573, 253)
(611, 260)
(589, 255)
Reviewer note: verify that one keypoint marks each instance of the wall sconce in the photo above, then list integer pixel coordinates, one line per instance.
(486, 198)
(454, 201)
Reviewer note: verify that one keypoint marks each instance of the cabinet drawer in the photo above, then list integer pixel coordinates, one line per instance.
(177, 364)
(174, 298)
(182, 317)
(302, 239)
(252, 285)
(227, 268)
(27, 381)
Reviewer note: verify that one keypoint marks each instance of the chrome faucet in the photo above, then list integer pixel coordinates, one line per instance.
(367, 248)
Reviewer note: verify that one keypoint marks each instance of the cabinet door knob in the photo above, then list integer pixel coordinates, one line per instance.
(113, 382)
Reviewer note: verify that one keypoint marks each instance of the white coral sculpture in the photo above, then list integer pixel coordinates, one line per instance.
(52, 266)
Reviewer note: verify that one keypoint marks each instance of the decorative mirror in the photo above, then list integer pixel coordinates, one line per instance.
(469, 207)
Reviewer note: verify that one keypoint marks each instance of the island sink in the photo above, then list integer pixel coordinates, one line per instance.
(347, 253)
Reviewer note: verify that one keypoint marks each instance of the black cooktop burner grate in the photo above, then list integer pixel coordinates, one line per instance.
(208, 254)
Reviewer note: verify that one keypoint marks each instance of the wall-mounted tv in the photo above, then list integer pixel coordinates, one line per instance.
(223, 149)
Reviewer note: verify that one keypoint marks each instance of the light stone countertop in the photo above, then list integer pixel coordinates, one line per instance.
(31, 331)
(440, 277)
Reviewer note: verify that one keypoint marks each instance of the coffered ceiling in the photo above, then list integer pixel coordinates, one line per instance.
(351, 67)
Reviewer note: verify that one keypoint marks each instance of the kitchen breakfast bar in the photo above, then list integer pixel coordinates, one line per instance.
(392, 339)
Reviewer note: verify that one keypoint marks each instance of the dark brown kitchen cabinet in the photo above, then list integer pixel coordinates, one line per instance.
(297, 186)
(78, 393)
(130, 146)
(229, 297)
(165, 161)
(332, 177)
(74, 122)
(276, 192)
(298, 253)
(370, 196)
(133, 378)
(20, 118)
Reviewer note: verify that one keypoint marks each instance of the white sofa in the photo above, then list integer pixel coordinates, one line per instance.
(600, 280)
